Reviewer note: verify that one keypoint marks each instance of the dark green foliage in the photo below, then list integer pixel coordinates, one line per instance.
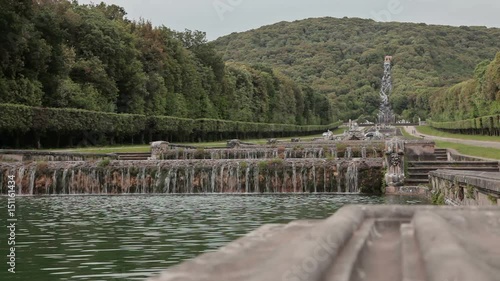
(59, 54)
(104, 163)
(18, 120)
(438, 198)
(342, 59)
(474, 98)
(465, 107)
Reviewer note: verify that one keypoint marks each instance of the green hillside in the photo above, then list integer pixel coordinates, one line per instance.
(59, 54)
(342, 59)
(473, 98)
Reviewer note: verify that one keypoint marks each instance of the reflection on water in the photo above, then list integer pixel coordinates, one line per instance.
(132, 237)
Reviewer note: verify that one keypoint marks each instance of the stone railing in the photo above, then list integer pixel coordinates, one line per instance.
(466, 188)
(360, 243)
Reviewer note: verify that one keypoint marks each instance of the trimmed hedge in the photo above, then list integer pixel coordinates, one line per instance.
(487, 125)
(21, 121)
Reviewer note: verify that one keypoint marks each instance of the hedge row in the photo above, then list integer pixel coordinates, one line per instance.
(487, 125)
(21, 120)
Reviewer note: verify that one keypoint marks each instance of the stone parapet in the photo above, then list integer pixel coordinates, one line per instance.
(466, 187)
(8, 155)
(360, 243)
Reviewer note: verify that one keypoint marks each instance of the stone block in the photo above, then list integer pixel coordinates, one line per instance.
(360, 243)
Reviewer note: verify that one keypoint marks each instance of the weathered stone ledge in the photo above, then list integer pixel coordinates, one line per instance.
(457, 187)
(489, 181)
(360, 243)
(34, 155)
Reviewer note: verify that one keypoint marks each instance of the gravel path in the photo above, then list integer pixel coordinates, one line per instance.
(489, 144)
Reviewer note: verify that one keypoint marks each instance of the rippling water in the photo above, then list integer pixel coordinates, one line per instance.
(132, 237)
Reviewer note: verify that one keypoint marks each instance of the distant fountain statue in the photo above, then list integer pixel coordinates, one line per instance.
(235, 143)
(354, 133)
(158, 148)
(386, 115)
(394, 152)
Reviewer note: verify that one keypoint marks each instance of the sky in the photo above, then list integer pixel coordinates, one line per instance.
(222, 17)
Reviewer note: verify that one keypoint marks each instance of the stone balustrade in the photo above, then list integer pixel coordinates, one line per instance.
(457, 187)
(360, 243)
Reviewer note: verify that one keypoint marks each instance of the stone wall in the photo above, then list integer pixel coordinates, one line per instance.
(32, 155)
(419, 150)
(453, 155)
(466, 188)
(376, 243)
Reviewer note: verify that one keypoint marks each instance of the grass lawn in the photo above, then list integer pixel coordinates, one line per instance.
(433, 132)
(108, 149)
(146, 148)
(471, 150)
(463, 148)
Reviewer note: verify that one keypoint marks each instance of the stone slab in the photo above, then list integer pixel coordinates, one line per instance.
(361, 243)
(484, 180)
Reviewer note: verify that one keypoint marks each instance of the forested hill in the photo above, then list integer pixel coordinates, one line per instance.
(342, 59)
(57, 53)
(477, 97)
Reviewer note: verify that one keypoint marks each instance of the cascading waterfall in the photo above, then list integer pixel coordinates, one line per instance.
(352, 178)
(294, 177)
(20, 175)
(222, 178)
(182, 176)
(262, 153)
(338, 178)
(247, 179)
(32, 179)
(65, 187)
(348, 153)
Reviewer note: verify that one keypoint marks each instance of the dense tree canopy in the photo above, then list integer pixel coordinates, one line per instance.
(57, 53)
(342, 59)
(473, 98)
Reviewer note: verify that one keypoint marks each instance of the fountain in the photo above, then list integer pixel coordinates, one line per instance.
(200, 176)
(386, 115)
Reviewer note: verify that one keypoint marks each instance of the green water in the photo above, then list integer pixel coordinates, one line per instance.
(133, 237)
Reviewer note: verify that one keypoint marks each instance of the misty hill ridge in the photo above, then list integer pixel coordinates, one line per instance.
(342, 58)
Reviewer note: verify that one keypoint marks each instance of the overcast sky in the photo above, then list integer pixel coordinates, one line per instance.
(221, 17)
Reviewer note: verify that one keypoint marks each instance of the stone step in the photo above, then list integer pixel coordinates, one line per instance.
(134, 156)
(453, 163)
(479, 168)
(131, 154)
(429, 169)
(416, 181)
(418, 175)
(441, 154)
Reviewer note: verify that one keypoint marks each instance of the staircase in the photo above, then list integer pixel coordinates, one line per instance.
(441, 154)
(133, 156)
(418, 171)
